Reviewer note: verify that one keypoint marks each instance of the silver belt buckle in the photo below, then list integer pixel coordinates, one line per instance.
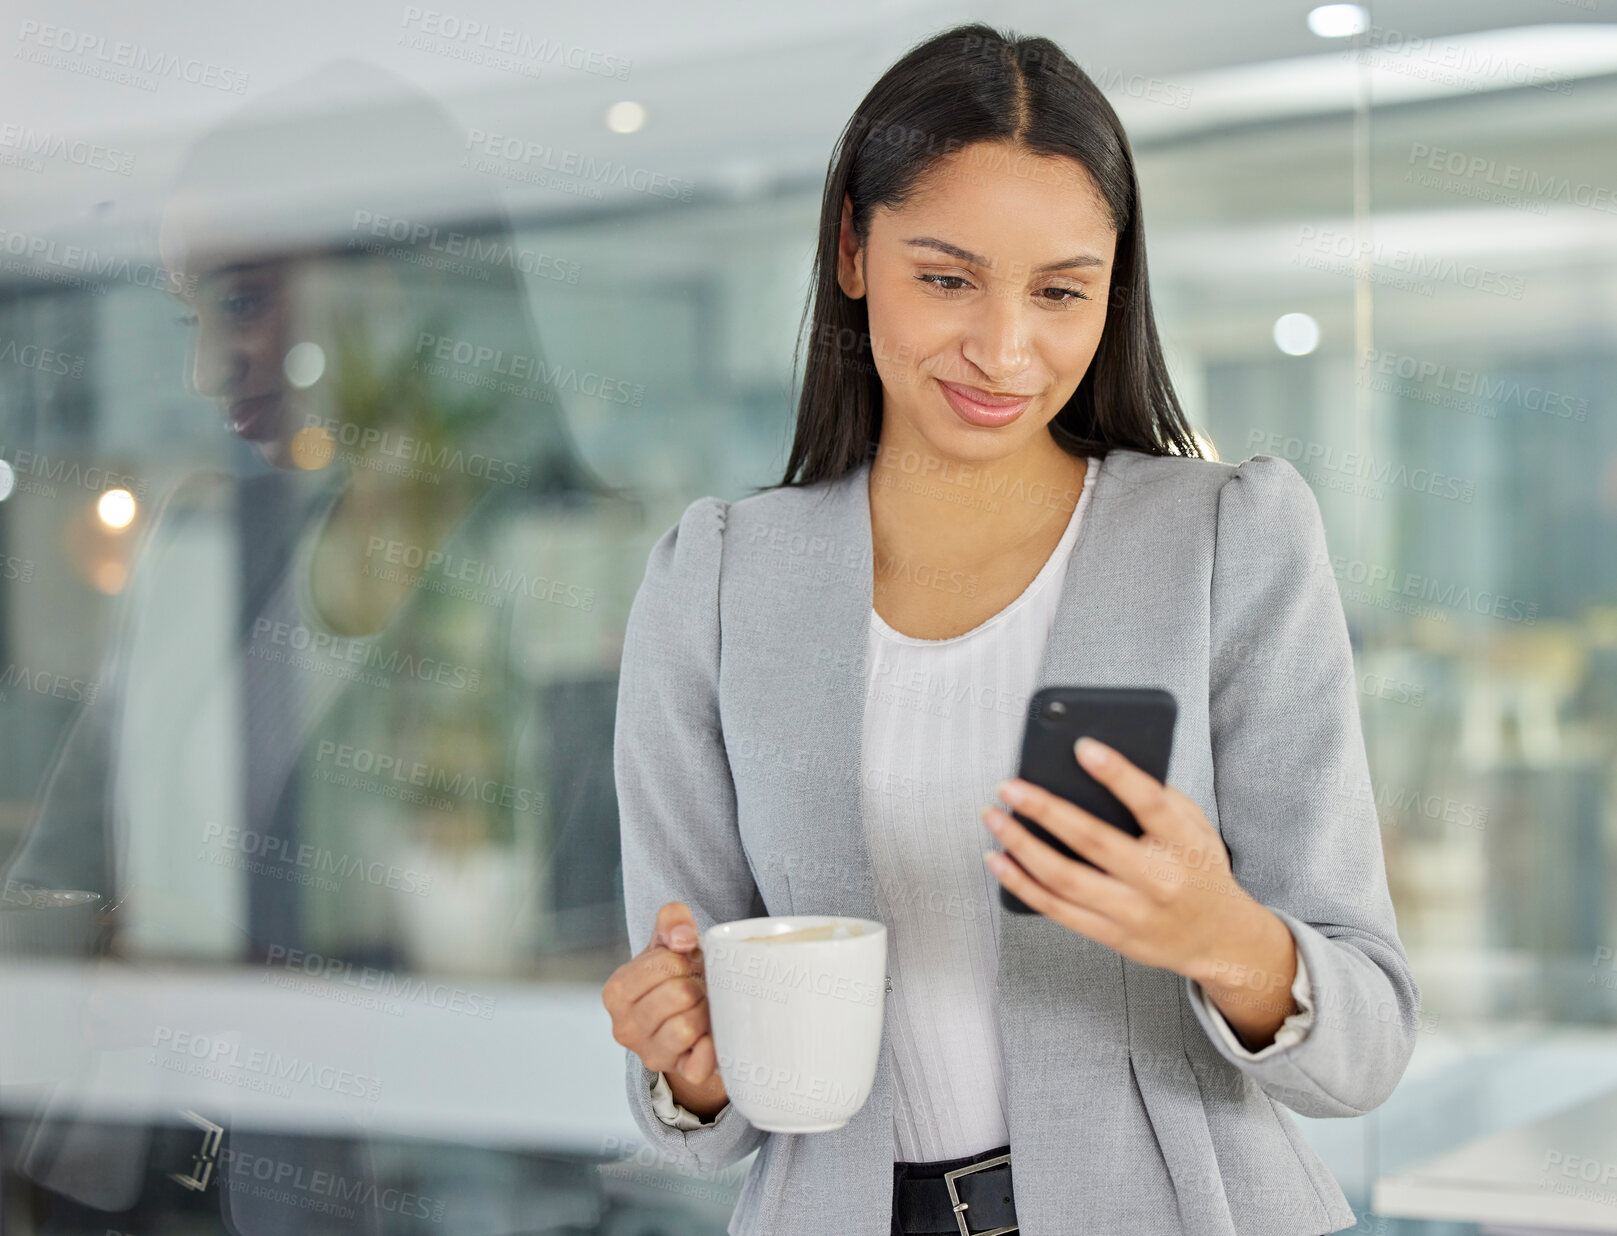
(960, 1207)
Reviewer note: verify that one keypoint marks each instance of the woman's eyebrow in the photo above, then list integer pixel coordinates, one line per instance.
(966, 255)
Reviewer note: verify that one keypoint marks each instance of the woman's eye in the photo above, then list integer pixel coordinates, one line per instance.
(244, 305)
(950, 284)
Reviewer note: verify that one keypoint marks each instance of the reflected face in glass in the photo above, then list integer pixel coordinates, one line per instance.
(990, 283)
(240, 315)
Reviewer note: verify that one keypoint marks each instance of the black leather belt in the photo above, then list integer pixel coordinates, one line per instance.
(970, 1196)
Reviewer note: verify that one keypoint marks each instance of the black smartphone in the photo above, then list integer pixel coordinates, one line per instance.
(1136, 721)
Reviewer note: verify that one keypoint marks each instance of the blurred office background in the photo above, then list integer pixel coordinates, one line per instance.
(345, 753)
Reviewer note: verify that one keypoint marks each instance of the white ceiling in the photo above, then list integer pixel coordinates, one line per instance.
(739, 94)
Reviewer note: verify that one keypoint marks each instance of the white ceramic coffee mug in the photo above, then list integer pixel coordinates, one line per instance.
(796, 1005)
(53, 922)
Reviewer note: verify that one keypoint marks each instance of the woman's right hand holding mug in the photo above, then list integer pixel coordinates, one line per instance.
(658, 1003)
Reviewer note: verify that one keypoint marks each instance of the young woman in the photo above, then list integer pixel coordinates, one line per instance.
(993, 488)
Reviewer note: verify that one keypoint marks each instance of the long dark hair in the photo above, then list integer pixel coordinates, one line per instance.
(969, 84)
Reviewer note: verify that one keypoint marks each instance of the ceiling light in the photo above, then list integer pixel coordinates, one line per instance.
(1296, 334)
(625, 117)
(1338, 21)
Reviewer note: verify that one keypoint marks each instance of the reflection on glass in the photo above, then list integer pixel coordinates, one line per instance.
(355, 725)
(231, 727)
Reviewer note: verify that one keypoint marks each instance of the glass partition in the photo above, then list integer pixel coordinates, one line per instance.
(342, 399)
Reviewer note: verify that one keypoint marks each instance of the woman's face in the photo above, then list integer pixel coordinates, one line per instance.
(987, 295)
(240, 313)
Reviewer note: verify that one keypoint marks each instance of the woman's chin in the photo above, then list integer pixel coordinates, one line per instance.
(952, 439)
(277, 453)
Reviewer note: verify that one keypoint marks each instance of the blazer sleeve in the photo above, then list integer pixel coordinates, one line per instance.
(1295, 802)
(676, 799)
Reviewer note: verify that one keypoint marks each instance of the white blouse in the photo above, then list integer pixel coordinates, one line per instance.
(942, 729)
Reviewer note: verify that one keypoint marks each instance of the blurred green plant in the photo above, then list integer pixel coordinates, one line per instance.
(397, 392)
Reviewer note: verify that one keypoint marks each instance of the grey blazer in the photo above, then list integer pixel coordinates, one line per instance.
(736, 760)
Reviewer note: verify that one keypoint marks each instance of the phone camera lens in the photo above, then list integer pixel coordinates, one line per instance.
(1055, 710)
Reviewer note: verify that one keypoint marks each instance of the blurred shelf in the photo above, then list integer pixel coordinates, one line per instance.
(522, 1065)
(1537, 1175)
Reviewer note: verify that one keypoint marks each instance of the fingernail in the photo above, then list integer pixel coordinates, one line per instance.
(1091, 752)
(682, 936)
(1010, 792)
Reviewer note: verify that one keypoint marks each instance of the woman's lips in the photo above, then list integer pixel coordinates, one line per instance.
(256, 418)
(976, 407)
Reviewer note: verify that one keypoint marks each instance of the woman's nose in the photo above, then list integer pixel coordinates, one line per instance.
(217, 371)
(1000, 338)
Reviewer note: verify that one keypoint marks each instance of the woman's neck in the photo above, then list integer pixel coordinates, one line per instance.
(969, 514)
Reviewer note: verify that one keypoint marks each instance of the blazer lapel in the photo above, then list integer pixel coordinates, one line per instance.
(1099, 636)
(810, 618)
(1108, 628)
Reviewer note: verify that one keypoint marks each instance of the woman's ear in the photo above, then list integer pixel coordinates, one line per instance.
(850, 260)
